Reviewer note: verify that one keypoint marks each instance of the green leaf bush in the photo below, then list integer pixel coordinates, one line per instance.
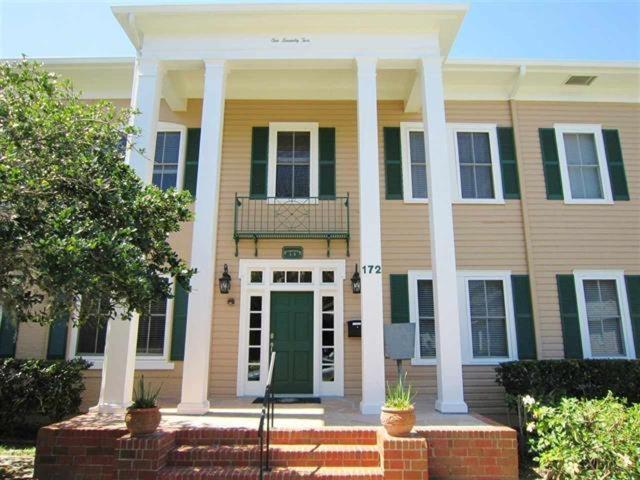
(585, 439)
(549, 381)
(37, 392)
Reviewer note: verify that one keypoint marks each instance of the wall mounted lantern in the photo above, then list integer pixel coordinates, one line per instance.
(355, 281)
(225, 280)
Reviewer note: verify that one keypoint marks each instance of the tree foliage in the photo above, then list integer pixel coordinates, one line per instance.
(75, 220)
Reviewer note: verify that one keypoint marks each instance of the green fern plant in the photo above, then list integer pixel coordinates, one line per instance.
(399, 396)
(144, 396)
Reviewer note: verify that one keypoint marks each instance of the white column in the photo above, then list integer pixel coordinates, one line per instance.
(195, 374)
(373, 383)
(120, 348)
(443, 253)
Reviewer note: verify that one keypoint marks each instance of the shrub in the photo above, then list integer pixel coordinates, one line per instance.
(36, 392)
(548, 381)
(586, 439)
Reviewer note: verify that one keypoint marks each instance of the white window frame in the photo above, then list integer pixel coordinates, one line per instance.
(465, 315)
(405, 147)
(167, 127)
(247, 289)
(414, 314)
(625, 319)
(491, 129)
(274, 128)
(595, 129)
(143, 362)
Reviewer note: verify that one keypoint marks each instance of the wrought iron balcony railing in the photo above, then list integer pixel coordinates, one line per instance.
(296, 218)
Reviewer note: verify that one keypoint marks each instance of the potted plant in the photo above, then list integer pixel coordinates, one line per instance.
(143, 416)
(398, 415)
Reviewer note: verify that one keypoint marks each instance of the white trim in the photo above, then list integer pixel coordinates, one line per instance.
(491, 129)
(264, 289)
(143, 362)
(165, 127)
(405, 147)
(465, 317)
(274, 128)
(414, 276)
(627, 332)
(596, 130)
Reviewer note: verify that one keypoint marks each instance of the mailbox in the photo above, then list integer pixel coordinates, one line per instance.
(354, 328)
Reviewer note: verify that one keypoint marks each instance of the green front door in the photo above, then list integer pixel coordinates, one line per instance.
(292, 336)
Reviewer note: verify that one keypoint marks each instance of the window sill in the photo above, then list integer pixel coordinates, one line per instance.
(418, 201)
(294, 201)
(424, 361)
(141, 363)
(479, 201)
(570, 201)
(487, 361)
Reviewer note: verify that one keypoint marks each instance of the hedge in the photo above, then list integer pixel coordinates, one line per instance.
(549, 381)
(37, 392)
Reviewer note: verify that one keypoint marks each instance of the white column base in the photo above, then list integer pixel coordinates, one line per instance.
(451, 407)
(109, 408)
(370, 408)
(193, 408)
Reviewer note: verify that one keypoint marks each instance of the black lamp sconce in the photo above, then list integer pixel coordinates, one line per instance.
(225, 280)
(355, 281)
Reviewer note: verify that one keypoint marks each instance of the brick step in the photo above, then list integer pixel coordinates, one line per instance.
(249, 436)
(253, 473)
(312, 455)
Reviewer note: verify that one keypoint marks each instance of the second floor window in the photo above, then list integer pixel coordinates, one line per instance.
(293, 164)
(168, 161)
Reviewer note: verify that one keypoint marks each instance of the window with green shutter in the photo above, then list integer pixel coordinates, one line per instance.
(508, 163)
(327, 163)
(615, 165)
(399, 288)
(633, 298)
(523, 310)
(191, 160)
(392, 163)
(179, 327)
(8, 335)
(551, 164)
(259, 162)
(569, 318)
(57, 343)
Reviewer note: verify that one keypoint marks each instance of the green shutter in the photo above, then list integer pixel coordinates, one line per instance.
(259, 161)
(569, 316)
(191, 160)
(8, 336)
(399, 286)
(392, 163)
(179, 327)
(508, 163)
(615, 165)
(523, 309)
(327, 162)
(57, 346)
(633, 298)
(551, 163)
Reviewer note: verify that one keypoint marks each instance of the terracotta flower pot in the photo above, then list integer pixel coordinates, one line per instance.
(142, 421)
(398, 422)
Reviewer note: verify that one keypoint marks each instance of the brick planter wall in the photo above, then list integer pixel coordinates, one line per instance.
(141, 458)
(403, 458)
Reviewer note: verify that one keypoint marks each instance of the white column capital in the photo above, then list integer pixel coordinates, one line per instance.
(432, 64)
(215, 63)
(148, 66)
(366, 66)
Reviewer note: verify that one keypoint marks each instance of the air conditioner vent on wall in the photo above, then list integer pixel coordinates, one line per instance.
(580, 80)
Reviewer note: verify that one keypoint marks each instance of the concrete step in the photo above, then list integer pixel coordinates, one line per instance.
(281, 455)
(278, 473)
(249, 436)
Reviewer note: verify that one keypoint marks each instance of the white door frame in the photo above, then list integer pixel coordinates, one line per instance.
(264, 289)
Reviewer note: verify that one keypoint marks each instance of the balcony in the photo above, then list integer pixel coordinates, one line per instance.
(296, 218)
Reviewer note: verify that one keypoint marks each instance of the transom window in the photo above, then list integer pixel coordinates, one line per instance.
(583, 171)
(292, 276)
(604, 319)
(488, 318)
(414, 162)
(168, 162)
(293, 160)
(475, 151)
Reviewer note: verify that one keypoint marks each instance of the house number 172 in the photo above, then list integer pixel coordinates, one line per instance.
(371, 269)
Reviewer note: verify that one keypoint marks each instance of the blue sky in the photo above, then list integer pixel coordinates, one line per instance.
(549, 29)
